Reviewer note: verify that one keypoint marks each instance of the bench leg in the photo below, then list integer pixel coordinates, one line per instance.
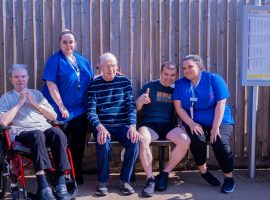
(161, 158)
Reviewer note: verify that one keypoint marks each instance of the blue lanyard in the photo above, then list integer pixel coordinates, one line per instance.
(193, 98)
(193, 87)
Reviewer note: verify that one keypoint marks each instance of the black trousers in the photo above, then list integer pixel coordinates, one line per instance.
(37, 141)
(221, 147)
(76, 129)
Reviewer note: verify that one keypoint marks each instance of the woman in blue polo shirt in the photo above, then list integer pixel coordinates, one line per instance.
(68, 75)
(200, 101)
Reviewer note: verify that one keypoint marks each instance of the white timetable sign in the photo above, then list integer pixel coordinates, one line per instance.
(256, 46)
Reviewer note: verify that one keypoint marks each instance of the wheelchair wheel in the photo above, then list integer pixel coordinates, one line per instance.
(3, 179)
(3, 184)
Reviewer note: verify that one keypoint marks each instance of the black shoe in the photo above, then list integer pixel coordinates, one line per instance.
(79, 179)
(149, 188)
(126, 188)
(162, 181)
(211, 179)
(102, 189)
(228, 185)
(61, 192)
(46, 194)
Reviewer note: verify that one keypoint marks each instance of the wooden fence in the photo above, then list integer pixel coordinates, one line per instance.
(142, 34)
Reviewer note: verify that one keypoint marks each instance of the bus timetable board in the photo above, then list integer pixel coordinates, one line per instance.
(256, 46)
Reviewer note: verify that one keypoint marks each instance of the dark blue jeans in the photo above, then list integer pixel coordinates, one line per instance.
(103, 153)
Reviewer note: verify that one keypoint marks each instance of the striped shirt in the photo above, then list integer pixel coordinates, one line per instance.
(27, 118)
(111, 102)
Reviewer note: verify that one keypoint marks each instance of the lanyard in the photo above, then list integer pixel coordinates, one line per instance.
(193, 97)
(77, 70)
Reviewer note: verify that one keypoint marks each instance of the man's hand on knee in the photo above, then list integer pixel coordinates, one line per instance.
(103, 134)
(133, 134)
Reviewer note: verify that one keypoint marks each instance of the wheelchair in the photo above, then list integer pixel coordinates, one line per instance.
(15, 158)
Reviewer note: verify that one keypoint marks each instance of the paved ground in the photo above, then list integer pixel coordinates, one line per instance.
(187, 185)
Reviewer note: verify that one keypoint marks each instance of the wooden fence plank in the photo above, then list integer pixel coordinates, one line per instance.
(155, 37)
(28, 42)
(125, 35)
(115, 28)
(263, 131)
(65, 14)
(48, 21)
(39, 42)
(105, 25)
(57, 24)
(241, 92)
(213, 35)
(76, 22)
(17, 31)
(3, 68)
(231, 61)
(164, 30)
(194, 27)
(8, 39)
(95, 35)
(184, 29)
(221, 39)
(174, 31)
(203, 30)
(145, 32)
(135, 55)
(86, 47)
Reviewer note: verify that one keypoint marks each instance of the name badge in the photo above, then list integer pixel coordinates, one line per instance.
(193, 99)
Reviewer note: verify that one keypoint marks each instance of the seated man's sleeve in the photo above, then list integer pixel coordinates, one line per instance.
(91, 107)
(4, 106)
(130, 104)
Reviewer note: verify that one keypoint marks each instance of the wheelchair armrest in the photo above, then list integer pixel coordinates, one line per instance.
(55, 123)
(4, 128)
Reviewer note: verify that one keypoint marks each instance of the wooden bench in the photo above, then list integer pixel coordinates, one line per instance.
(162, 144)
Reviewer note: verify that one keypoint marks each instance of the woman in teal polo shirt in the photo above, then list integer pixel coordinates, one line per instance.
(200, 101)
(68, 75)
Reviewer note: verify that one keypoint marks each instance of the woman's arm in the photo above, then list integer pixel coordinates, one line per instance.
(57, 98)
(194, 127)
(219, 113)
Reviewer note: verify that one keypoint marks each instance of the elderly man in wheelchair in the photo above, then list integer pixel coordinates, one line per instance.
(28, 112)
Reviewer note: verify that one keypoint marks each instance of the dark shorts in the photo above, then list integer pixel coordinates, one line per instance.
(162, 129)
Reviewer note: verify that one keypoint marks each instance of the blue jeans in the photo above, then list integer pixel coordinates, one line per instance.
(103, 153)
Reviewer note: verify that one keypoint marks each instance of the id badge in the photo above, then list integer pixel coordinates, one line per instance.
(193, 99)
(191, 111)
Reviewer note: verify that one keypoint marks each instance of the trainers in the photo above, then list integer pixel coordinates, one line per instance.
(211, 179)
(228, 185)
(102, 189)
(61, 192)
(126, 188)
(149, 188)
(162, 181)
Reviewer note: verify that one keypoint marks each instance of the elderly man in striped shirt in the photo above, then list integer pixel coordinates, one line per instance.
(112, 114)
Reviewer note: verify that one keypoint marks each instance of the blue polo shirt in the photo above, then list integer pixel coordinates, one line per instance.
(59, 71)
(211, 89)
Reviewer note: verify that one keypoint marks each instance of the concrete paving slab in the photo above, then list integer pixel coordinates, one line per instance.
(186, 185)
